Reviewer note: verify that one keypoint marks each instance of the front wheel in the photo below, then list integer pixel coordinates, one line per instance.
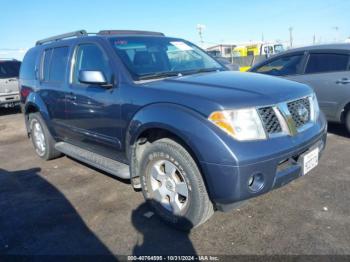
(347, 121)
(173, 185)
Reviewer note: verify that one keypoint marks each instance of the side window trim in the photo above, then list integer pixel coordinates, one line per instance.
(73, 61)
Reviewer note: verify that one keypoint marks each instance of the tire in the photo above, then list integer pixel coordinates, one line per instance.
(347, 121)
(43, 142)
(166, 169)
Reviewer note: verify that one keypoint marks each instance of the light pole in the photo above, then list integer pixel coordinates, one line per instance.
(336, 28)
(200, 29)
(290, 36)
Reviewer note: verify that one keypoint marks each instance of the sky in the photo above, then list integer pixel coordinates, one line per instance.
(23, 22)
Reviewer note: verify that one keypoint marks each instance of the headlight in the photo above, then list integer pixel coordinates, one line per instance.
(315, 109)
(242, 124)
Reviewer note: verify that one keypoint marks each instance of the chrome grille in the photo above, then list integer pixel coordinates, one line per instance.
(300, 111)
(270, 120)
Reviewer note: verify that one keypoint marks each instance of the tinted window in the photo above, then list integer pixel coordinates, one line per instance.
(9, 69)
(28, 65)
(90, 57)
(54, 64)
(321, 63)
(58, 64)
(287, 65)
(46, 65)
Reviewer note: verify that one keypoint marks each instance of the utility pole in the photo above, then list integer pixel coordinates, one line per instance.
(200, 29)
(290, 36)
(336, 28)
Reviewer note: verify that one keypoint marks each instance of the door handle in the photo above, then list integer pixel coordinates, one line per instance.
(343, 81)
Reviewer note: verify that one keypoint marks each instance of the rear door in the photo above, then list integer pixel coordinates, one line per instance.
(53, 72)
(327, 72)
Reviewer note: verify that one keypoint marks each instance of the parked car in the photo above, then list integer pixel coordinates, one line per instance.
(326, 68)
(9, 93)
(162, 113)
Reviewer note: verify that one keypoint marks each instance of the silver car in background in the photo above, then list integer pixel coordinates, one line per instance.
(9, 92)
(326, 68)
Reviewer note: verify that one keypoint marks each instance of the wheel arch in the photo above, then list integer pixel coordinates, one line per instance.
(190, 129)
(34, 104)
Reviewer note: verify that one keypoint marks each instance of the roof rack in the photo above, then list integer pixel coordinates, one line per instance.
(8, 59)
(63, 36)
(128, 32)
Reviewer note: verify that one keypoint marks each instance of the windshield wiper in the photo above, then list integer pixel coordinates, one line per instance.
(177, 73)
(159, 75)
(202, 70)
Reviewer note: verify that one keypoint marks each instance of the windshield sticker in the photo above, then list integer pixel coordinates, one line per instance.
(182, 46)
(121, 42)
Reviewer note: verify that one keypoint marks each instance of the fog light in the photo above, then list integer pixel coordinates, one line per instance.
(256, 182)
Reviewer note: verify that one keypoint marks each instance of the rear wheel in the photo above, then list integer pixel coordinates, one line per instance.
(173, 185)
(43, 142)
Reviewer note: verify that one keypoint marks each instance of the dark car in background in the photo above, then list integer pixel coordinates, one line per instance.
(9, 72)
(326, 68)
(160, 112)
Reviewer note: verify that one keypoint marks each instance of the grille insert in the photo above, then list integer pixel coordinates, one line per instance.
(300, 111)
(270, 120)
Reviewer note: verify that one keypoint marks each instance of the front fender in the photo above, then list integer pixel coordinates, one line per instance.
(193, 128)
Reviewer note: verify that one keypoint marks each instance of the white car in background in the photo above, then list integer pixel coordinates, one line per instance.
(9, 92)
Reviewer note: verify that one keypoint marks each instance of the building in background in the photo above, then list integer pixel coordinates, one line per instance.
(222, 50)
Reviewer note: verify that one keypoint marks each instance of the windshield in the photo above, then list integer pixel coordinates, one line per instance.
(279, 49)
(151, 57)
(9, 69)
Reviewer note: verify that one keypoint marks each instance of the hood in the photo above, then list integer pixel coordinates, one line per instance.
(230, 89)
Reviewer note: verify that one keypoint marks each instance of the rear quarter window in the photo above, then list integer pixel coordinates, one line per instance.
(27, 71)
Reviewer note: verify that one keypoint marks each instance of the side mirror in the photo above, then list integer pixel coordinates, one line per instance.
(92, 77)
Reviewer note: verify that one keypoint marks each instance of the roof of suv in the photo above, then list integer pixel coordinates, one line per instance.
(103, 33)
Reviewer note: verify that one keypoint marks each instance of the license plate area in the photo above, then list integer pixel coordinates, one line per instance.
(309, 160)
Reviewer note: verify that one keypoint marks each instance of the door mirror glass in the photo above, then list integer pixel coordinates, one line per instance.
(92, 77)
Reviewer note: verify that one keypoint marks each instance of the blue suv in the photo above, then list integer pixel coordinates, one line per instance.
(160, 112)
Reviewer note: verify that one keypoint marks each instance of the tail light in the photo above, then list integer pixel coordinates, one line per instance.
(25, 91)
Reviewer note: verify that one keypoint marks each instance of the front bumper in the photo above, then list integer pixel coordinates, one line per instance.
(230, 185)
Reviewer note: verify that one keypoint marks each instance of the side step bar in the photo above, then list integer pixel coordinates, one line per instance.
(106, 164)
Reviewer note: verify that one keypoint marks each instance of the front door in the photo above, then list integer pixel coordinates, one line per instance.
(93, 111)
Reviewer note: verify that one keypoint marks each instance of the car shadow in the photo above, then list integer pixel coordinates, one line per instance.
(156, 237)
(10, 111)
(37, 219)
(338, 129)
